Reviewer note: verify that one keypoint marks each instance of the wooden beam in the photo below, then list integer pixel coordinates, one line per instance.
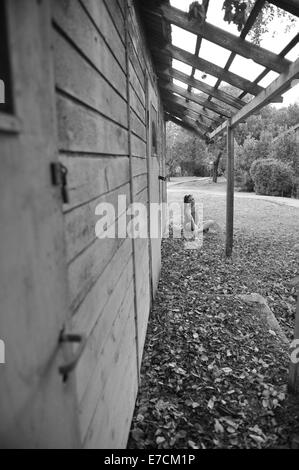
(283, 53)
(188, 106)
(210, 68)
(185, 123)
(291, 6)
(249, 23)
(280, 85)
(183, 113)
(230, 191)
(225, 39)
(195, 98)
(294, 366)
(205, 88)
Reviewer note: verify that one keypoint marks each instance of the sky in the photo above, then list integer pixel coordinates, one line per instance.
(275, 40)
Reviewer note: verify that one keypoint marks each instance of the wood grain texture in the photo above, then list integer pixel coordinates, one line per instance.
(74, 23)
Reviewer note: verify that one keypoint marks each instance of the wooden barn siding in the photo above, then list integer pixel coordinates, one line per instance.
(103, 161)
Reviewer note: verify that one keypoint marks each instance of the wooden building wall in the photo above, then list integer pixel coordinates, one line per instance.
(85, 94)
(102, 72)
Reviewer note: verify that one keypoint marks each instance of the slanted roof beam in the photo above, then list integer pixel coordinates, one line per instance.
(205, 88)
(279, 85)
(186, 125)
(182, 113)
(203, 128)
(196, 99)
(291, 6)
(189, 106)
(284, 52)
(210, 68)
(225, 39)
(257, 7)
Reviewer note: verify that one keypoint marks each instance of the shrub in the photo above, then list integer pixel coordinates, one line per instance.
(286, 149)
(272, 177)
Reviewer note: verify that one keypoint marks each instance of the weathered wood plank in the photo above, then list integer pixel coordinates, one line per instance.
(139, 166)
(85, 270)
(109, 326)
(91, 309)
(139, 183)
(230, 191)
(117, 355)
(37, 410)
(112, 420)
(71, 19)
(76, 77)
(98, 135)
(134, 34)
(138, 147)
(80, 223)
(136, 65)
(90, 177)
(117, 16)
(104, 24)
(134, 80)
(138, 127)
(136, 105)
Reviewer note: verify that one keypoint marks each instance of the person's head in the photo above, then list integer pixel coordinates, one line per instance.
(189, 199)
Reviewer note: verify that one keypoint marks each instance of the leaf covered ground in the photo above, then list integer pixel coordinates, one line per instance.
(213, 375)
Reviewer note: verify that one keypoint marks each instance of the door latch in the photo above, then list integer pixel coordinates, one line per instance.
(59, 178)
(162, 178)
(66, 369)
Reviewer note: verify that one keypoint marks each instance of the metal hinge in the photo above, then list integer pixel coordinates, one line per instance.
(59, 178)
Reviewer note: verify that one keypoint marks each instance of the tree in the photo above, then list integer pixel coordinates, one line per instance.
(245, 154)
(185, 149)
(237, 11)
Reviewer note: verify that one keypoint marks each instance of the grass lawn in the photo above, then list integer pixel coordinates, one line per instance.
(213, 376)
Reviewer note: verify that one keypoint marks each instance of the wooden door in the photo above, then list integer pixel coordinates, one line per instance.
(154, 157)
(36, 407)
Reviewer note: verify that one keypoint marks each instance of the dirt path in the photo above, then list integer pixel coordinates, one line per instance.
(201, 186)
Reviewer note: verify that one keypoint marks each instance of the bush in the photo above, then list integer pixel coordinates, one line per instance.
(245, 156)
(286, 149)
(272, 177)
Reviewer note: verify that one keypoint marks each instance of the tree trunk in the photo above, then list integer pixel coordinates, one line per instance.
(215, 167)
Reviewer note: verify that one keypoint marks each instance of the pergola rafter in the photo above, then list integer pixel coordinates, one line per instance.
(208, 67)
(186, 123)
(227, 40)
(291, 6)
(220, 95)
(196, 99)
(281, 84)
(249, 23)
(182, 113)
(168, 96)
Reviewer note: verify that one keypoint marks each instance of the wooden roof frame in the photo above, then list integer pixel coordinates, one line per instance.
(192, 105)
